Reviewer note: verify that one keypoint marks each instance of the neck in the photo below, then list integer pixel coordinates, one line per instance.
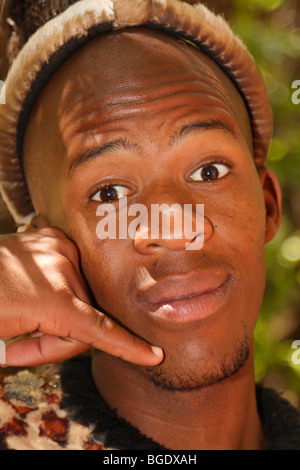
(217, 417)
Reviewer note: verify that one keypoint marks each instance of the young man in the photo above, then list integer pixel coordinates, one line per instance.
(113, 107)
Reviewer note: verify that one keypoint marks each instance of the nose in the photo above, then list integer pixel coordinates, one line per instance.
(174, 227)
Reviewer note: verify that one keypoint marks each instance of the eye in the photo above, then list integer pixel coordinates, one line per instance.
(210, 172)
(110, 193)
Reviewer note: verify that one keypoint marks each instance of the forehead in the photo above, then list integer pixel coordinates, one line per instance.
(131, 77)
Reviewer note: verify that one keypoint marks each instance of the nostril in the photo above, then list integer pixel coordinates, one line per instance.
(175, 228)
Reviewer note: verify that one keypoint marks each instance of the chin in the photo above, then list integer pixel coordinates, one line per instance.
(180, 372)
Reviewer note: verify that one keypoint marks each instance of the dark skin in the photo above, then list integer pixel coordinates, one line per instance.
(172, 114)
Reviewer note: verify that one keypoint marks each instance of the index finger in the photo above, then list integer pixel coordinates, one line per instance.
(81, 329)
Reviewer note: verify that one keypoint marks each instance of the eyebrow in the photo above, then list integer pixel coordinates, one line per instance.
(124, 145)
(121, 145)
(189, 129)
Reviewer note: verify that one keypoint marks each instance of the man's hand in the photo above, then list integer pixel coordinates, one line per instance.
(45, 301)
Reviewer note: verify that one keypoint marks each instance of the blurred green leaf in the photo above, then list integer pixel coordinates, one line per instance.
(271, 31)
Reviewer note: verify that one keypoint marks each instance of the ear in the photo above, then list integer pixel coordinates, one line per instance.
(273, 201)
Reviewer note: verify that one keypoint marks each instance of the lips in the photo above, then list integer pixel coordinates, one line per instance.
(181, 287)
(188, 297)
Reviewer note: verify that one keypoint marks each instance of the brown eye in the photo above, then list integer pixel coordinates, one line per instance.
(210, 172)
(110, 193)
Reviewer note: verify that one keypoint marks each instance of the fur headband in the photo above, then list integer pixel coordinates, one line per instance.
(55, 41)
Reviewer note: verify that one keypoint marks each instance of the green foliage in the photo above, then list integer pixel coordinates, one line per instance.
(270, 29)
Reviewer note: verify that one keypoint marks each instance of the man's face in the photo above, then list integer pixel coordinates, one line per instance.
(143, 115)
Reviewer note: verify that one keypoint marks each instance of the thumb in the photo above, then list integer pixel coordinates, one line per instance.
(38, 221)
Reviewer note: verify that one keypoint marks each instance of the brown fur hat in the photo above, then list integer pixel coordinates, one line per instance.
(42, 34)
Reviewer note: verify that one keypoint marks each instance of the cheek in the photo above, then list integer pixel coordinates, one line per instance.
(240, 219)
(240, 224)
(107, 270)
(106, 265)
(243, 229)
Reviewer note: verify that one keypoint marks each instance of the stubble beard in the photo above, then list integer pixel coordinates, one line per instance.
(227, 367)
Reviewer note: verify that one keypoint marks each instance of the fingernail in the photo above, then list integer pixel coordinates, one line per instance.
(36, 334)
(22, 229)
(157, 351)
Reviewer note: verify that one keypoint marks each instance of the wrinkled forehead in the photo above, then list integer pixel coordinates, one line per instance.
(136, 63)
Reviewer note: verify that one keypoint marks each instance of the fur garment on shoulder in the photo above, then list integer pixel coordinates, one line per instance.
(66, 412)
